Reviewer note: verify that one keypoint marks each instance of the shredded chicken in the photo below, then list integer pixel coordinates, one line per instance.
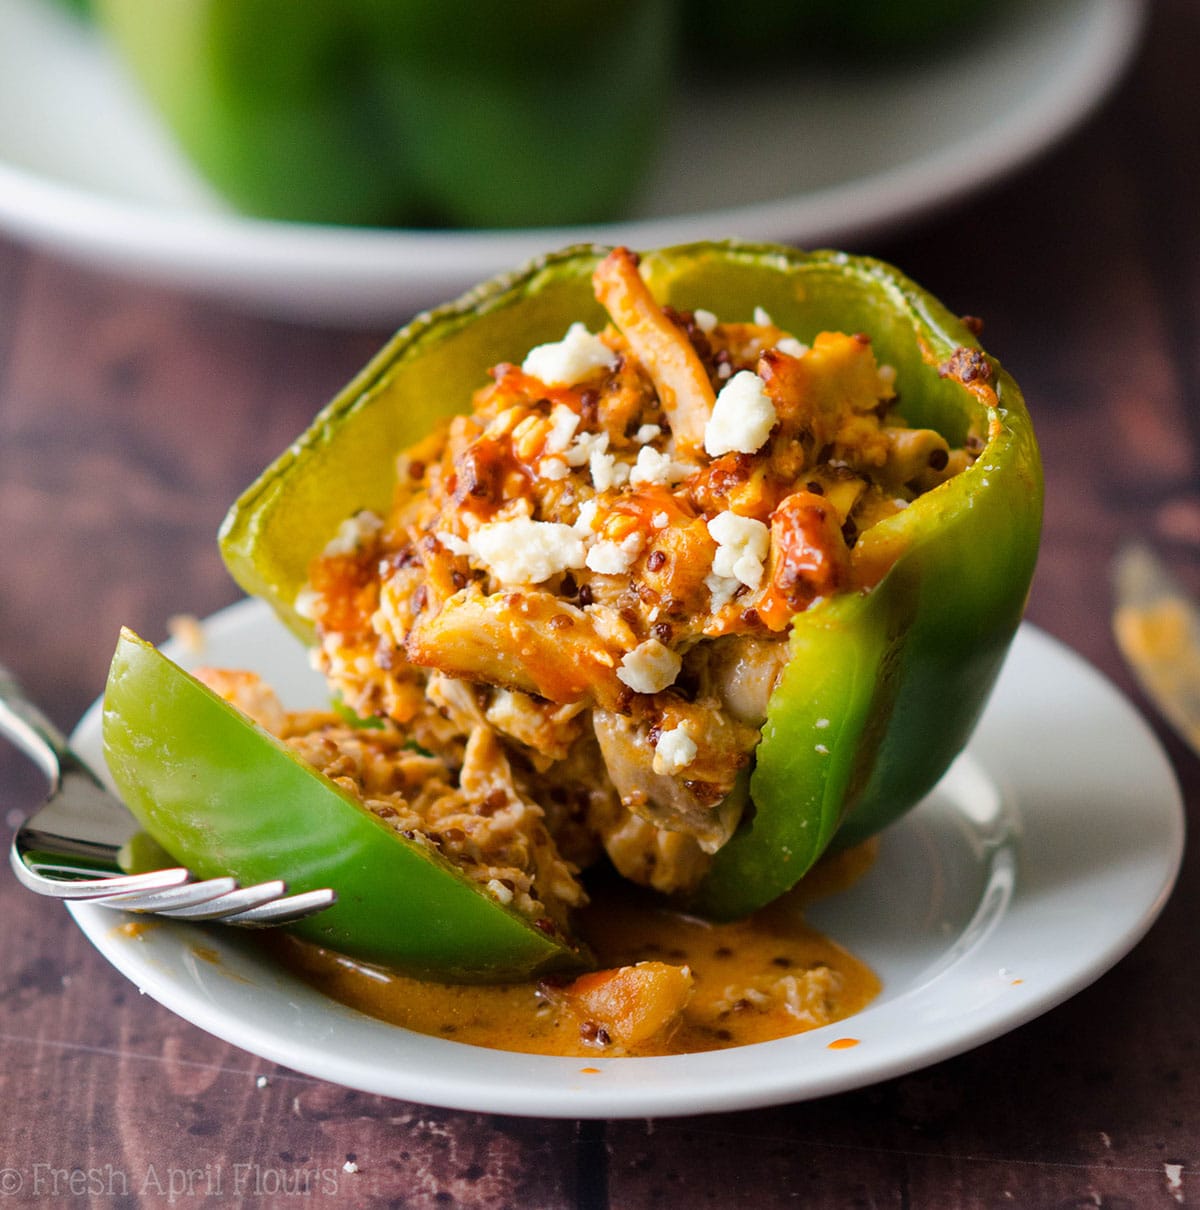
(463, 803)
(679, 377)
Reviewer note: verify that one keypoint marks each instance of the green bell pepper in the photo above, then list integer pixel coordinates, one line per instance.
(883, 687)
(426, 112)
(224, 797)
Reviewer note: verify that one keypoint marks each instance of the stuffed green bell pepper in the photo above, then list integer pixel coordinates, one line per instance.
(422, 113)
(229, 783)
(723, 546)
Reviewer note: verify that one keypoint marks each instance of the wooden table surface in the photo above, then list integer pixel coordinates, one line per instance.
(130, 416)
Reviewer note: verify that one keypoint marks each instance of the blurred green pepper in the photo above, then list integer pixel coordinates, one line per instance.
(883, 686)
(82, 9)
(416, 112)
(224, 797)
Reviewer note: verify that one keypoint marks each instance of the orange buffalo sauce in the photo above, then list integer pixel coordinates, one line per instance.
(669, 983)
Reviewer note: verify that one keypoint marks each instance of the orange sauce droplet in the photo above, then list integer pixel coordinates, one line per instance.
(589, 1071)
(842, 1043)
(135, 928)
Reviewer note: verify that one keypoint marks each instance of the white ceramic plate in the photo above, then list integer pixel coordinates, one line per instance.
(823, 159)
(1042, 858)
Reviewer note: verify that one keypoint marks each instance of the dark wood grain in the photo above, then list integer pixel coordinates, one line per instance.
(129, 418)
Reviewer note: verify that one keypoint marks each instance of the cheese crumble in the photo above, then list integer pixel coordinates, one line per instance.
(554, 469)
(742, 545)
(563, 423)
(650, 667)
(453, 543)
(522, 551)
(353, 534)
(654, 467)
(742, 417)
(615, 558)
(674, 751)
(569, 361)
(606, 471)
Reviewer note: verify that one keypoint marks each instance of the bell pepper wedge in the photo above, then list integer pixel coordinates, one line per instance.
(224, 797)
(883, 686)
(427, 113)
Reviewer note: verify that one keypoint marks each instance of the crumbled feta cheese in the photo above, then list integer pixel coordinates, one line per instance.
(350, 1166)
(674, 751)
(705, 320)
(887, 378)
(587, 516)
(742, 545)
(563, 423)
(600, 467)
(584, 446)
(571, 360)
(762, 317)
(261, 1082)
(649, 668)
(724, 370)
(792, 347)
(653, 467)
(742, 416)
(353, 533)
(660, 520)
(553, 469)
(722, 589)
(607, 471)
(522, 551)
(647, 433)
(615, 558)
(453, 543)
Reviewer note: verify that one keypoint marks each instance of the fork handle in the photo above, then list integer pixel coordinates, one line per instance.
(27, 727)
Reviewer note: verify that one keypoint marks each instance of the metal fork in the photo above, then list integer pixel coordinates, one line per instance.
(69, 848)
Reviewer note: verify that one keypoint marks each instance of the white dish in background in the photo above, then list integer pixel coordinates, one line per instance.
(825, 159)
(1043, 857)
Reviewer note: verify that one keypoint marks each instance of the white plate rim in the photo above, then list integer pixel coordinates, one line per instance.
(952, 1011)
(342, 274)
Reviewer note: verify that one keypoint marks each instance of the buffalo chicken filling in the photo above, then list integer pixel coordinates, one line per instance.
(597, 566)
(591, 575)
(566, 630)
